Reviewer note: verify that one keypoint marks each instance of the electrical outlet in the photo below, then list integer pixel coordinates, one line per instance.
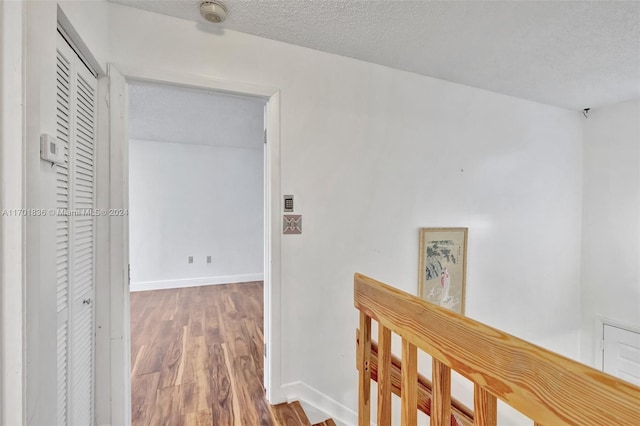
(190, 259)
(208, 259)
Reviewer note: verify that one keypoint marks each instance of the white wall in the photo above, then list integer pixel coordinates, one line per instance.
(196, 187)
(611, 220)
(87, 24)
(12, 274)
(372, 154)
(195, 200)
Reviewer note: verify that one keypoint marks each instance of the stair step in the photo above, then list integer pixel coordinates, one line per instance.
(293, 415)
(328, 422)
(297, 407)
(290, 414)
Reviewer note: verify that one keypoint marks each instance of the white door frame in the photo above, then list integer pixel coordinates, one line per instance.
(118, 311)
(12, 227)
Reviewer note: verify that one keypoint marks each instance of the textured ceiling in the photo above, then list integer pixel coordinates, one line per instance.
(575, 54)
(171, 114)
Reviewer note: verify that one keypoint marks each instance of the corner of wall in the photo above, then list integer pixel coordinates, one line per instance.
(87, 24)
(610, 206)
(300, 391)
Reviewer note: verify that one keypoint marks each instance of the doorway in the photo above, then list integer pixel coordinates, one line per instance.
(198, 225)
(114, 280)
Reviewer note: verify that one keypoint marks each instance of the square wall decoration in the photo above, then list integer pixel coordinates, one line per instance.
(443, 267)
(292, 224)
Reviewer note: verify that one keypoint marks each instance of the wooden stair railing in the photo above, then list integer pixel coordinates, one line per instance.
(461, 415)
(547, 387)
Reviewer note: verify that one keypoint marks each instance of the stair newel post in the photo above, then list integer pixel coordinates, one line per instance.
(384, 376)
(485, 407)
(409, 390)
(364, 378)
(441, 399)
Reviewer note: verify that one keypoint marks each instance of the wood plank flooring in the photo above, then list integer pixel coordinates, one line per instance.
(197, 358)
(290, 415)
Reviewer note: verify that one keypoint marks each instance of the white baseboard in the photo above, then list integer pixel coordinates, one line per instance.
(194, 282)
(300, 391)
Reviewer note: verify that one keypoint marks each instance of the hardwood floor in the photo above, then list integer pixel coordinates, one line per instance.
(197, 358)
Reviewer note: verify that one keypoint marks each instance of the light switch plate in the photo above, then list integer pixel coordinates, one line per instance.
(292, 224)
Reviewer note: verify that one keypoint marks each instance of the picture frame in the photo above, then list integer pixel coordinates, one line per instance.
(442, 273)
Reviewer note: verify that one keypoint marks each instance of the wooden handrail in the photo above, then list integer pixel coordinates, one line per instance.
(547, 387)
(461, 414)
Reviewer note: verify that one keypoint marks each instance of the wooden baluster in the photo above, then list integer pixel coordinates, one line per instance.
(441, 396)
(384, 376)
(364, 385)
(409, 389)
(485, 407)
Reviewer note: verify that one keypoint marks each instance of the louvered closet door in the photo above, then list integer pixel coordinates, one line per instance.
(76, 87)
(63, 134)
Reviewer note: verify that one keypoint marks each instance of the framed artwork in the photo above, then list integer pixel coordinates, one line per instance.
(443, 267)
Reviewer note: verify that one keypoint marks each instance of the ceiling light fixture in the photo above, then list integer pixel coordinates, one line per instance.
(213, 11)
